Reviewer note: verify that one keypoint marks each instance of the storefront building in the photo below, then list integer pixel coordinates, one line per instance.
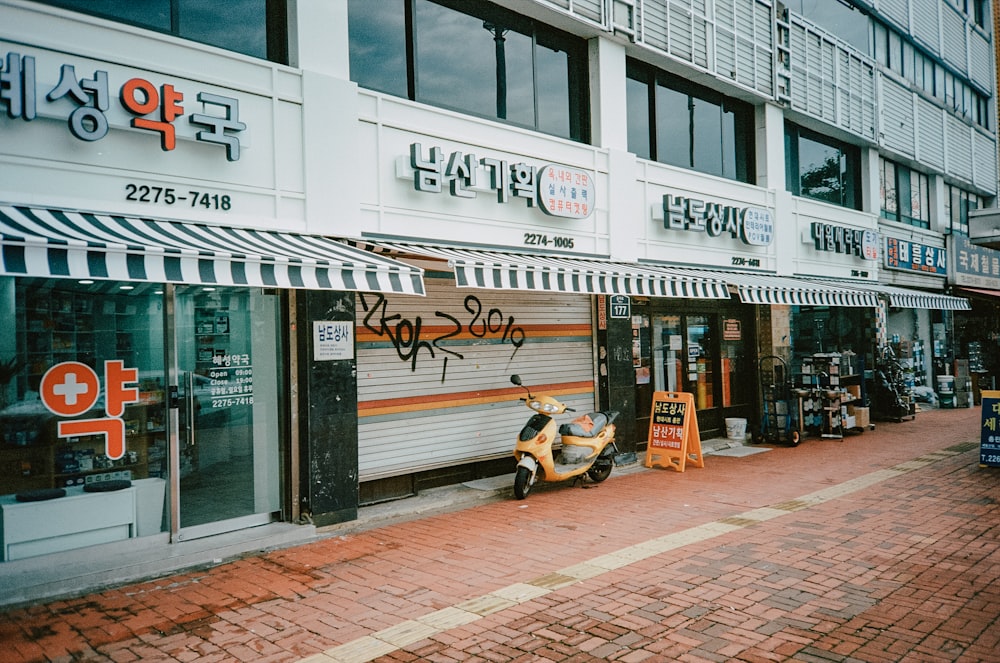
(292, 267)
(171, 304)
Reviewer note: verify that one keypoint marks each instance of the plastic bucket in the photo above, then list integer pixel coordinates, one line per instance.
(946, 384)
(736, 429)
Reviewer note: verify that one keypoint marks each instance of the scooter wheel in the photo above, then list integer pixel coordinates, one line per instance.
(522, 483)
(600, 472)
(795, 438)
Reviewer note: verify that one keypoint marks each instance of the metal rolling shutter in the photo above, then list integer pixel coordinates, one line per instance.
(433, 373)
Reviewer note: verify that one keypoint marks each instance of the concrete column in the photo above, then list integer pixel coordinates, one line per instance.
(770, 138)
(608, 107)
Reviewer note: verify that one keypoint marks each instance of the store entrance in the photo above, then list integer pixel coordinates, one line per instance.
(704, 350)
(228, 470)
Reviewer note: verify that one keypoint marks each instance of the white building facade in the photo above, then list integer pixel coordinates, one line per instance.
(272, 261)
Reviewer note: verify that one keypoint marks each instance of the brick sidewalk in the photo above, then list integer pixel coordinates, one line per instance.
(882, 547)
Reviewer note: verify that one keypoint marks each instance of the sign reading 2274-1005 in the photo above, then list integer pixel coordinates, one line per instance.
(557, 190)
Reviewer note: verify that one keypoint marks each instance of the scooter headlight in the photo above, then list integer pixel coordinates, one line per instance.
(536, 405)
(549, 408)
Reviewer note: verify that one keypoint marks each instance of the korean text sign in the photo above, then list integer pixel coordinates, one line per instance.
(989, 441)
(71, 389)
(673, 432)
(88, 97)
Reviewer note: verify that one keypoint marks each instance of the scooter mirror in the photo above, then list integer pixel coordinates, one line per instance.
(515, 379)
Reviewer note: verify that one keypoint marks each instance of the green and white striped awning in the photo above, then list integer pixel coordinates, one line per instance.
(500, 270)
(56, 243)
(757, 288)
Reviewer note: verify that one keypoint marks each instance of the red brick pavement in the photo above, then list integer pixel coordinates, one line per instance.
(831, 551)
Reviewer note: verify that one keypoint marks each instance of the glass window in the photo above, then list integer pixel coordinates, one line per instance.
(838, 18)
(507, 67)
(675, 122)
(253, 27)
(958, 204)
(637, 99)
(673, 127)
(888, 187)
(905, 194)
(378, 47)
(822, 168)
(80, 332)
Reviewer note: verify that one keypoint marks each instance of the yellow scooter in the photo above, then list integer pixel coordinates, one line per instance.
(588, 444)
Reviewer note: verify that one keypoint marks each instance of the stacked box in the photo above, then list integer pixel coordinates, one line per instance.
(861, 415)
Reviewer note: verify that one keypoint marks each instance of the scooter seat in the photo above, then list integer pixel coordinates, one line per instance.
(599, 419)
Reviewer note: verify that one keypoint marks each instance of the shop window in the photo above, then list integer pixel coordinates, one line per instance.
(905, 194)
(76, 438)
(821, 329)
(822, 168)
(508, 68)
(258, 28)
(675, 122)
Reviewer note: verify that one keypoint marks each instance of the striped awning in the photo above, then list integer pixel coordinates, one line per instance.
(499, 270)
(769, 289)
(909, 298)
(84, 245)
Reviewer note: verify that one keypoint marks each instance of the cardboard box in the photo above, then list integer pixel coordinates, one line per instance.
(862, 415)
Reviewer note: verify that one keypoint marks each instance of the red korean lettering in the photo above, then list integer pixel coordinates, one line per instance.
(69, 389)
(140, 97)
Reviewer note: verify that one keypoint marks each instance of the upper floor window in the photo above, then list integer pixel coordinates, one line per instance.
(673, 121)
(258, 28)
(473, 57)
(905, 194)
(957, 205)
(821, 167)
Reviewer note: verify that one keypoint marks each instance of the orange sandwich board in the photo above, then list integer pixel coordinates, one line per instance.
(673, 432)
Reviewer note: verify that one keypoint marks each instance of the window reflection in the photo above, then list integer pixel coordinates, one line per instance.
(692, 127)
(252, 27)
(822, 168)
(472, 57)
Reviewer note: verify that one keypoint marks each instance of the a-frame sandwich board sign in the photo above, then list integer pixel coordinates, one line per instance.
(673, 439)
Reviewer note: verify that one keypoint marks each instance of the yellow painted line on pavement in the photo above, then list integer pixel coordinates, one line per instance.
(388, 640)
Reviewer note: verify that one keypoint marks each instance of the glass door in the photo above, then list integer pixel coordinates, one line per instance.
(228, 365)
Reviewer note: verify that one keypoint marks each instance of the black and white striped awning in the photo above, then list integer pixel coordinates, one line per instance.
(908, 298)
(498, 270)
(83, 245)
(768, 289)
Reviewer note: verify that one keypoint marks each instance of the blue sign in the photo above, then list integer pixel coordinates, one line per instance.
(915, 257)
(989, 441)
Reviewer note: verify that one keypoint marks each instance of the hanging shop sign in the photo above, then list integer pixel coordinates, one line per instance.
(909, 256)
(840, 239)
(155, 107)
(975, 266)
(673, 432)
(751, 225)
(557, 190)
